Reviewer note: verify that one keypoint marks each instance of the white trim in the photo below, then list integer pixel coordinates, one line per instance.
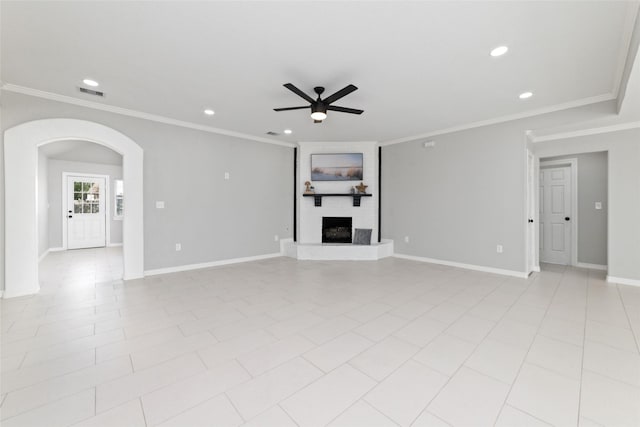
(21, 292)
(585, 132)
(624, 67)
(65, 205)
(512, 273)
(137, 114)
(623, 281)
(592, 266)
(114, 245)
(573, 164)
(536, 269)
(21, 144)
(530, 113)
(43, 255)
(188, 267)
(58, 249)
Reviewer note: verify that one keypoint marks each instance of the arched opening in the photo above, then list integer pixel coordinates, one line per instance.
(21, 219)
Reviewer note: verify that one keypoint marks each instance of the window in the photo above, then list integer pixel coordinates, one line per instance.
(86, 197)
(119, 199)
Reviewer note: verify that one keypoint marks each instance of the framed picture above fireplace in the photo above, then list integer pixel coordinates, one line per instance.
(336, 167)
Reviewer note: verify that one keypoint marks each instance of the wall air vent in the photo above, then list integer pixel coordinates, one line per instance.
(272, 133)
(91, 91)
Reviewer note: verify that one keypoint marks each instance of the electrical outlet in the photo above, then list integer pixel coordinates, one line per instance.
(276, 238)
(499, 249)
(406, 239)
(159, 204)
(598, 205)
(227, 175)
(178, 247)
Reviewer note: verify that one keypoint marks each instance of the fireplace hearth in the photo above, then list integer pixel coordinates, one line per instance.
(336, 229)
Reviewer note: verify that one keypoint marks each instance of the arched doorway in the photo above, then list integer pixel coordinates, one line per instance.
(21, 230)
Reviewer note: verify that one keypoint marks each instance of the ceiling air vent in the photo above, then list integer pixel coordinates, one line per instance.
(91, 92)
(272, 133)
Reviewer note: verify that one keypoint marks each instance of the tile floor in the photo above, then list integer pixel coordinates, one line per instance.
(292, 343)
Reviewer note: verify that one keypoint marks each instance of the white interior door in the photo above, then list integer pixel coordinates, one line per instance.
(555, 215)
(86, 216)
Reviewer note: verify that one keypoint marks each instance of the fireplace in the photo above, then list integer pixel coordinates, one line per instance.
(336, 229)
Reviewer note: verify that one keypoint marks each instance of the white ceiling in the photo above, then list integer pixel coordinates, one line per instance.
(81, 151)
(419, 66)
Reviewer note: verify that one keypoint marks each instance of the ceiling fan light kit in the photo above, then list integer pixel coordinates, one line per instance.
(319, 106)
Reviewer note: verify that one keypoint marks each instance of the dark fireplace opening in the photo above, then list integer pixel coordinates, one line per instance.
(336, 229)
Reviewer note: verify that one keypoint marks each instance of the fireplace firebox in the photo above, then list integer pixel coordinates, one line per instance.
(336, 229)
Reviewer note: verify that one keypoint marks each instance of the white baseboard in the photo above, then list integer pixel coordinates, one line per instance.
(188, 267)
(512, 273)
(9, 294)
(536, 269)
(114, 245)
(623, 281)
(60, 249)
(44, 255)
(592, 266)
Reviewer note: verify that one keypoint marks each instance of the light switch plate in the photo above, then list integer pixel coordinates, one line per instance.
(598, 205)
(159, 205)
(226, 175)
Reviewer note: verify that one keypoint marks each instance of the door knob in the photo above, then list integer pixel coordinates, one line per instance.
(566, 218)
(530, 220)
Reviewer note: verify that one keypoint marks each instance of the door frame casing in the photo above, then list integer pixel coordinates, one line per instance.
(531, 237)
(65, 201)
(573, 164)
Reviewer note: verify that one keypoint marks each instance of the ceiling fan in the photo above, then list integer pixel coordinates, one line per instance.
(319, 107)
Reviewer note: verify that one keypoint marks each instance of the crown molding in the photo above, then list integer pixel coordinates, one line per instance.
(585, 132)
(626, 52)
(504, 119)
(137, 114)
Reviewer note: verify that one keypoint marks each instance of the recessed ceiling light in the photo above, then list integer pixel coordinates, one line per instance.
(288, 131)
(209, 112)
(90, 82)
(499, 51)
(525, 95)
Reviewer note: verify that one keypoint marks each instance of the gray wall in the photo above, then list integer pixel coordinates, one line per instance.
(458, 200)
(56, 168)
(623, 150)
(43, 205)
(592, 223)
(214, 219)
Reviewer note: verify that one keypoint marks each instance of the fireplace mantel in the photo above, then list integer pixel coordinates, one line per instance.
(318, 197)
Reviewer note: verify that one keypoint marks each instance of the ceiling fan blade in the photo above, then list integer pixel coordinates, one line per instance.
(298, 92)
(290, 108)
(339, 94)
(344, 109)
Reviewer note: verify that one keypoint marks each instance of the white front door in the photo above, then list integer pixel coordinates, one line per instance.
(555, 215)
(86, 216)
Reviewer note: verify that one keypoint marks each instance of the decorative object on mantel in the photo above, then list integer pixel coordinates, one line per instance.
(362, 236)
(353, 190)
(362, 189)
(309, 189)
